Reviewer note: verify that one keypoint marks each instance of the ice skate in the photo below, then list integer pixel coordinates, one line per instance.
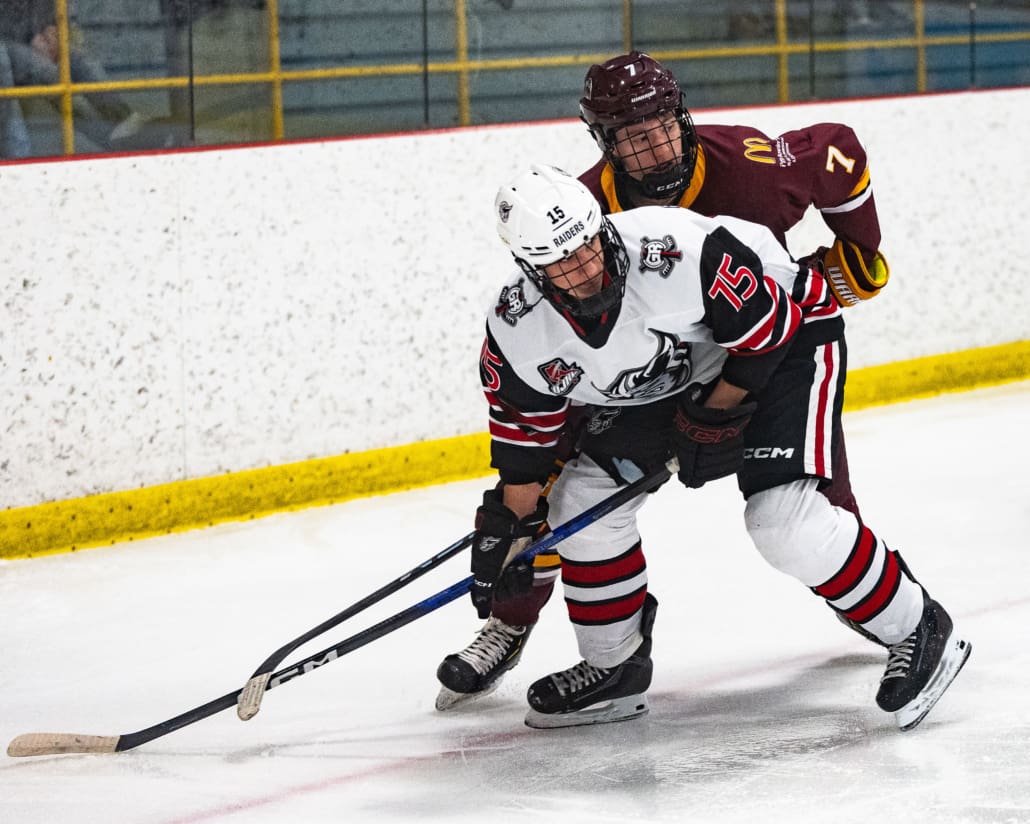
(585, 694)
(921, 667)
(477, 670)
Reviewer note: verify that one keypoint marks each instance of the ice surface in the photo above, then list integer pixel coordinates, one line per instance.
(761, 709)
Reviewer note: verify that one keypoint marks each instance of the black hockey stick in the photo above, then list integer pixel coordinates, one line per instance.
(43, 743)
(31, 744)
(250, 696)
(254, 690)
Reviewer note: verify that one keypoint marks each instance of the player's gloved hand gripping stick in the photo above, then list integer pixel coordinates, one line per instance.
(500, 533)
(57, 743)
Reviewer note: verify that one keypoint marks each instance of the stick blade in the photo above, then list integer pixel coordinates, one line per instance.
(59, 743)
(249, 702)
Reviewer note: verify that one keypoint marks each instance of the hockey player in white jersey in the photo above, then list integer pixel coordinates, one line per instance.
(679, 334)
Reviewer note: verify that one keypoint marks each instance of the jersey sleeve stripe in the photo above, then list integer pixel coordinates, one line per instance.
(542, 421)
(773, 329)
(520, 437)
(862, 185)
(814, 297)
(849, 205)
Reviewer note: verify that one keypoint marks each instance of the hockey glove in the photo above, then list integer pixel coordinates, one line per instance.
(846, 272)
(501, 535)
(709, 442)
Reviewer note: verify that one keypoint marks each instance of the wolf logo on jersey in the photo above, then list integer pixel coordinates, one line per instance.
(665, 373)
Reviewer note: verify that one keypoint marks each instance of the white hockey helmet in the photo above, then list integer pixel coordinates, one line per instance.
(544, 215)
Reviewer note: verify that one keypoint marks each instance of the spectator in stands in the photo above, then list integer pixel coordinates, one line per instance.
(14, 137)
(30, 56)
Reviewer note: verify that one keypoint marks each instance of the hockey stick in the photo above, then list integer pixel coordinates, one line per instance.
(254, 690)
(250, 696)
(31, 744)
(60, 743)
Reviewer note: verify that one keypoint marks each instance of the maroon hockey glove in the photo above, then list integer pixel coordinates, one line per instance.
(498, 529)
(709, 442)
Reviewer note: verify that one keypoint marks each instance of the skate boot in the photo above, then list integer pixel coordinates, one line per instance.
(585, 694)
(476, 671)
(921, 667)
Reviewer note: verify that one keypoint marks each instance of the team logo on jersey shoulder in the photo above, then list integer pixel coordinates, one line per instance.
(512, 303)
(561, 377)
(659, 255)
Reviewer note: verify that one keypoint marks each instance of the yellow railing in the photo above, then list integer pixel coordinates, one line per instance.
(462, 67)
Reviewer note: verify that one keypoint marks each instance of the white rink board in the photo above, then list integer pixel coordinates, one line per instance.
(183, 315)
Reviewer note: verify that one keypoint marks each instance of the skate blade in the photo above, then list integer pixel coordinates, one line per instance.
(619, 709)
(954, 658)
(448, 699)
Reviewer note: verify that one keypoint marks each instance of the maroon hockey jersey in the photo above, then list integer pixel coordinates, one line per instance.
(743, 173)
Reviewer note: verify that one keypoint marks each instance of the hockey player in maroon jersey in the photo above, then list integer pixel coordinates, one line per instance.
(695, 336)
(652, 154)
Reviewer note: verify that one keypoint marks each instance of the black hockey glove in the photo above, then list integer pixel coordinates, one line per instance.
(498, 529)
(709, 442)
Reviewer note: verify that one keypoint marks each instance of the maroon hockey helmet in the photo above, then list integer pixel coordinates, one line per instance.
(628, 89)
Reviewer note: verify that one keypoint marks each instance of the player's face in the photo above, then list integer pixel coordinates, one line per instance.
(653, 144)
(581, 274)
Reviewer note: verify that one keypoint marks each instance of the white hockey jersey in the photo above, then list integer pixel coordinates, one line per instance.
(698, 290)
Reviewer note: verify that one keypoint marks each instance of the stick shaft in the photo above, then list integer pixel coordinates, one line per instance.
(455, 591)
(55, 743)
(269, 664)
(266, 667)
(398, 583)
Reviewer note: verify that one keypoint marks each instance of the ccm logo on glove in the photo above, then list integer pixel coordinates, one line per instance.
(706, 434)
